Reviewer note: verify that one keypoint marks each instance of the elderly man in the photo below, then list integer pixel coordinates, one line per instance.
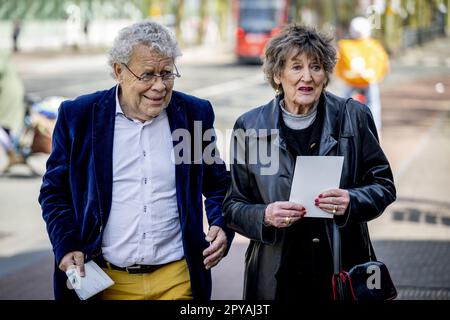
(115, 190)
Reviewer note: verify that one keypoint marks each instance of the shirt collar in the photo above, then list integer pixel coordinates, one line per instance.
(118, 107)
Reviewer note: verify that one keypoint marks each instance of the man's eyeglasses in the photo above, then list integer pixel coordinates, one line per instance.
(148, 77)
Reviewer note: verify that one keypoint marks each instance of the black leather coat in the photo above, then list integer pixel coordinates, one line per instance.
(366, 174)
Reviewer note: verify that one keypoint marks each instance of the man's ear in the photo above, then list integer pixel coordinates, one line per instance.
(118, 70)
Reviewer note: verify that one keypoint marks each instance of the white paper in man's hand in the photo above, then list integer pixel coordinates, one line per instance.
(94, 281)
(313, 175)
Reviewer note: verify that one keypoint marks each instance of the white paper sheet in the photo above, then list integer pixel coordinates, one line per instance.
(313, 175)
(94, 281)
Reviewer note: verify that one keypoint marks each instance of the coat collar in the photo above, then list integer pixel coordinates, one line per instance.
(270, 115)
(103, 119)
(334, 106)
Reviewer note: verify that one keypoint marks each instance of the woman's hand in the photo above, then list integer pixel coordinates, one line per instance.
(334, 201)
(282, 214)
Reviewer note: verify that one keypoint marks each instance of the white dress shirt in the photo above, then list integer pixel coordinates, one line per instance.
(143, 226)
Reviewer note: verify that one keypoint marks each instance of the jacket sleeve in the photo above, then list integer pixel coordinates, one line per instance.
(242, 211)
(55, 195)
(375, 189)
(216, 180)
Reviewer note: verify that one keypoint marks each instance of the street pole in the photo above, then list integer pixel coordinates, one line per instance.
(448, 18)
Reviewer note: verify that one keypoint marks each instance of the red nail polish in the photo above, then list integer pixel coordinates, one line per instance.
(320, 195)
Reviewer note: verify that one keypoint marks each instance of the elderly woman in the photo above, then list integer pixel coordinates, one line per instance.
(115, 190)
(289, 256)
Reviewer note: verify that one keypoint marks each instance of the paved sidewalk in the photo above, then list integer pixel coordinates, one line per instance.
(416, 139)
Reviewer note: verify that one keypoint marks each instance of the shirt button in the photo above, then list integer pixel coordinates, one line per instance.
(145, 209)
(316, 240)
(143, 152)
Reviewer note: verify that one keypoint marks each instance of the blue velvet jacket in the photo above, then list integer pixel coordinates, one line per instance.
(76, 190)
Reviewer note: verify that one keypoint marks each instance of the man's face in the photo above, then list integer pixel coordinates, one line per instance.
(139, 99)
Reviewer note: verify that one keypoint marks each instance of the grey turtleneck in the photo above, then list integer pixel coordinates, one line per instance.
(299, 121)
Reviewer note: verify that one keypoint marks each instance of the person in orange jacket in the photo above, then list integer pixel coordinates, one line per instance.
(362, 65)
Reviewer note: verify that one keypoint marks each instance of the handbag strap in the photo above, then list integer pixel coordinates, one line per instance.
(336, 232)
(336, 249)
(337, 264)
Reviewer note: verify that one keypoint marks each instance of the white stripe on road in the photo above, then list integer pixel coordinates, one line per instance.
(77, 87)
(229, 86)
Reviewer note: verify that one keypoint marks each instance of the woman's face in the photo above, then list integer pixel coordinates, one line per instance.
(143, 100)
(303, 79)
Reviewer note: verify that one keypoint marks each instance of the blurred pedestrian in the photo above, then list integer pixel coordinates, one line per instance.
(86, 27)
(362, 65)
(289, 257)
(17, 28)
(115, 191)
(12, 109)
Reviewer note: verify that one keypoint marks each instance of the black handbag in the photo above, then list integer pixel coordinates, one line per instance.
(368, 281)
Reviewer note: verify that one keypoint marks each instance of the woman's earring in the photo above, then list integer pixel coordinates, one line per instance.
(278, 91)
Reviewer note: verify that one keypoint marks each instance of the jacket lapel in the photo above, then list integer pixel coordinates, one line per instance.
(178, 120)
(269, 125)
(330, 127)
(333, 107)
(102, 146)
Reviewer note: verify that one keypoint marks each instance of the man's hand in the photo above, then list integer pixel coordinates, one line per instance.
(74, 258)
(214, 253)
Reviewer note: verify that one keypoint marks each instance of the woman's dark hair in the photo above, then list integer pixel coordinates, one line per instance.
(299, 39)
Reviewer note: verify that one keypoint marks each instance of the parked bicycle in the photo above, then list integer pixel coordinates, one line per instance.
(35, 136)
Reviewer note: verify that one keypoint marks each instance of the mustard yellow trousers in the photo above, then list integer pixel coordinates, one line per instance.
(170, 282)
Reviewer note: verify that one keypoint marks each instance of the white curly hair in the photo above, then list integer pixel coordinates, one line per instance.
(149, 33)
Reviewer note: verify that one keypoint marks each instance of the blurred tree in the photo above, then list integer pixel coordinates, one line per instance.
(179, 16)
(330, 14)
(448, 16)
(296, 5)
(146, 7)
(392, 31)
(223, 13)
(202, 16)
